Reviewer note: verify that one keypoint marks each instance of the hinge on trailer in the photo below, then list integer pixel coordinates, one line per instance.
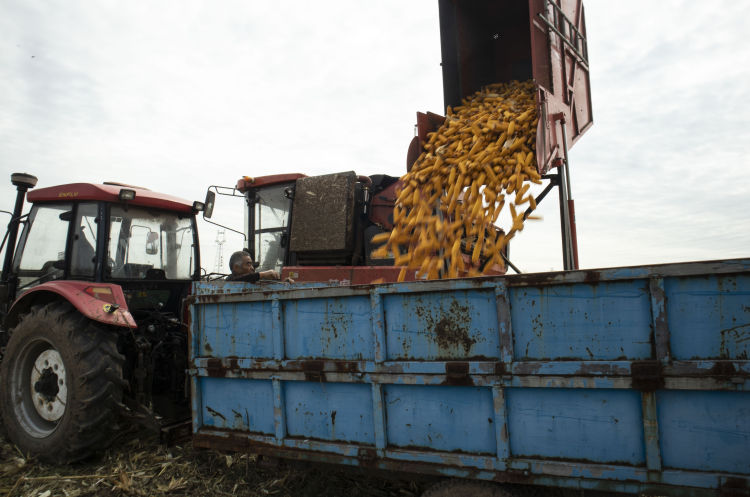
(214, 368)
(647, 376)
(314, 371)
(734, 487)
(457, 373)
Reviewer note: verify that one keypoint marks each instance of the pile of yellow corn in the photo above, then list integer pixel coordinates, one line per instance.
(481, 159)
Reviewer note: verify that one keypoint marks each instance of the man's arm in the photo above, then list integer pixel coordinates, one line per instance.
(269, 275)
(247, 277)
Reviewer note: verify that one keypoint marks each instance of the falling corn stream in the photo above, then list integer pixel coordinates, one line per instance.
(480, 161)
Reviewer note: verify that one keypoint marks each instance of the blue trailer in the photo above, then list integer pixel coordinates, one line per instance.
(631, 379)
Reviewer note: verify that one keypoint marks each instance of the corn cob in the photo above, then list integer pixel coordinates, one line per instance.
(457, 188)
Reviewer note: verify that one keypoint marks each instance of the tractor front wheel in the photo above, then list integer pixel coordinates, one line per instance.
(60, 384)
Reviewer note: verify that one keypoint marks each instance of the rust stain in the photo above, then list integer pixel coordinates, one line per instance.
(216, 413)
(347, 366)
(450, 327)
(723, 370)
(500, 369)
(734, 338)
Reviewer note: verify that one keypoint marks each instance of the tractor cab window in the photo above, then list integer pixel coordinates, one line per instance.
(41, 255)
(270, 218)
(83, 253)
(149, 244)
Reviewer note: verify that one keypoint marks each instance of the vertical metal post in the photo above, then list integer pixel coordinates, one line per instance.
(279, 411)
(277, 330)
(378, 413)
(196, 395)
(567, 213)
(23, 183)
(502, 438)
(564, 232)
(504, 322)
(378, 325)
(570, 227)
(651, 434)
(659, 319)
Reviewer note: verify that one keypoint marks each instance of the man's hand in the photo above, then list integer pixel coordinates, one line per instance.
(269, 275)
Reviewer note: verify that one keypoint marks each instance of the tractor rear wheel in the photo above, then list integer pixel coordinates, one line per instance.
(60, 384)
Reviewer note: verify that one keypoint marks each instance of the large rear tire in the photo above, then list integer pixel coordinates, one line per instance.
(60, 384)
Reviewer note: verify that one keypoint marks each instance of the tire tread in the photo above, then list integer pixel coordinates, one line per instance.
(92, 412)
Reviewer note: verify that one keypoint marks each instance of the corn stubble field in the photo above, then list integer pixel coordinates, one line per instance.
(137, 465)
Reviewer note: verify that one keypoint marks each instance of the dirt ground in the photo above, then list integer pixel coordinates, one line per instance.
(137, 465)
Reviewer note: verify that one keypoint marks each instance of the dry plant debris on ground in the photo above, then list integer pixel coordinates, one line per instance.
(136, 465)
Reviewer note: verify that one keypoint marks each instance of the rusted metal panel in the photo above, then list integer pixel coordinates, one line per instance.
(495, 41)
(689, 418)
(604, 379)
(441, 325)
(329, 197)
(603, 320)
(717, 304)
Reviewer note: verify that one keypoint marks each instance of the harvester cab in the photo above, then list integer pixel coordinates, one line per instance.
(316, 228)
(92, 313)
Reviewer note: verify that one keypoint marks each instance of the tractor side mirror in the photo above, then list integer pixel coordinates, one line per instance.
(151, 248)
(208, 208)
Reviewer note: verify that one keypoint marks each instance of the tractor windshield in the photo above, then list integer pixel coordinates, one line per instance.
(150, 244)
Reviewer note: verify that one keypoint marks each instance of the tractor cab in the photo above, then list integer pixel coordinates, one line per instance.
(143, 241)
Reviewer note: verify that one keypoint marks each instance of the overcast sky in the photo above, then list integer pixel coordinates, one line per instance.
(180, 95)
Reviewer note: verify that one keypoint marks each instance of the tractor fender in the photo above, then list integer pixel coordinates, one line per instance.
(75, 292)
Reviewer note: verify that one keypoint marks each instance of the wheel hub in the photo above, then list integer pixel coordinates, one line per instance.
(50, 391)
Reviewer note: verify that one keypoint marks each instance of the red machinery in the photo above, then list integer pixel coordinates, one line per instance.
(91, 307)
(319, 228)
(493, 41)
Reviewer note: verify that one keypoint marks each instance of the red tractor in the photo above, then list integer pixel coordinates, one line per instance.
(91, 305)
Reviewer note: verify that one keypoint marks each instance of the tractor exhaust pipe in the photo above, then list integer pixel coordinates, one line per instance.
(23, 182)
